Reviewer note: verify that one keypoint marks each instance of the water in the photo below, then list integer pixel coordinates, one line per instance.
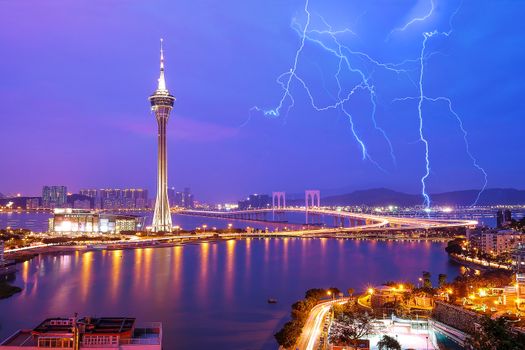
(210, 295)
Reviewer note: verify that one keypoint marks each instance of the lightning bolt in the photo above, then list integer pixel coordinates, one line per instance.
(422, 97)
(343, 53)
(291, 74)
(426, 197)
(412, 21)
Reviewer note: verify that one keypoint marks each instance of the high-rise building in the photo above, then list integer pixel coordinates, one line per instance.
(179, 199)
(188, 198)
(171, 196)
(54, 197)
(114, 198)
(503, 218)
(162, 104)
(507, 217)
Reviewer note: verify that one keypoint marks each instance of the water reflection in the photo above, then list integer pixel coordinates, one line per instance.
(177, 272)
(85, 275)
(137, 271)
(146, 274)
(202, 286)
(116, 263)
(229, 270)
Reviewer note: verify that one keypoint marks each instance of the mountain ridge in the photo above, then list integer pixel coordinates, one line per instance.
(385, 197)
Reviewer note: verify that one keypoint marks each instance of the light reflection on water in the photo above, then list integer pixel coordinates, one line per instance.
(212, 294)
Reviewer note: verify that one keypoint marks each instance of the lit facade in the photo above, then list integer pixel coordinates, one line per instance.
(79, 221)
(162, 104)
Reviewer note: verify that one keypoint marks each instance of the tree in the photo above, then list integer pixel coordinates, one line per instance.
(442, 279)
(334, 290)
(351, 291)
(388, 343)
(287, 336)
(454, 247)
(495, 335)
(315, 293)
(350, 326)
(301, 309)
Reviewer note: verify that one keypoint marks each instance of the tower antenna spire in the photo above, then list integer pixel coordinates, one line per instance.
(162, 81)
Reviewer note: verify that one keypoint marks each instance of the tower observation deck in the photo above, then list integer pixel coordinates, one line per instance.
(162, 104)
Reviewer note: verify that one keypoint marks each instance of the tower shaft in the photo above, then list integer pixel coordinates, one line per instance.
(162, 214)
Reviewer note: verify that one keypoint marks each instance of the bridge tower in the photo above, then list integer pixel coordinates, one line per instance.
(312, 199)
(278, 202)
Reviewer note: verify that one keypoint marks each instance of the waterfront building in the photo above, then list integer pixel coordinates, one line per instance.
(495, 242)
(255, 201)
(162, 104)
(121, 333)
(81, 221)
(54, 197)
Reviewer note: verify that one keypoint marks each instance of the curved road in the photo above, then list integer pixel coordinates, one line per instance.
(314, 324)
(372, 222)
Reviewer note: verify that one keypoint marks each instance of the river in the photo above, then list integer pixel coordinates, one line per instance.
(213, 294)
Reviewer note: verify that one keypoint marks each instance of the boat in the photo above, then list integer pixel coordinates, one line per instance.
(97, 246)
(272, 301)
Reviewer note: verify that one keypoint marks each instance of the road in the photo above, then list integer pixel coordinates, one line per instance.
(314, 324)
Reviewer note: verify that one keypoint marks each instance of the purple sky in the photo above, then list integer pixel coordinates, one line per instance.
(75, 77)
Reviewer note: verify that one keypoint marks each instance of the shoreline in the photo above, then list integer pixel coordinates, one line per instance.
(22, 256)
(477, 264)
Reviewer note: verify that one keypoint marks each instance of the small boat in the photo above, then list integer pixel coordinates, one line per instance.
(97, 246)
(272, 301)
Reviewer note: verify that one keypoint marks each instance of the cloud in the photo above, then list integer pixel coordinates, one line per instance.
(183, 129)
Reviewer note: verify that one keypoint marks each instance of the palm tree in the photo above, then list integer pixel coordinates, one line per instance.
(388, 343)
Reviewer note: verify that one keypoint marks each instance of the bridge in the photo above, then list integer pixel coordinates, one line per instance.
(343, 221)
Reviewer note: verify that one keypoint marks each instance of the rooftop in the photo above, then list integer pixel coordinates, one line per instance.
(115, 332)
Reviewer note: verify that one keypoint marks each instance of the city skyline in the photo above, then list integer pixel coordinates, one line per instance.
(87, 99)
